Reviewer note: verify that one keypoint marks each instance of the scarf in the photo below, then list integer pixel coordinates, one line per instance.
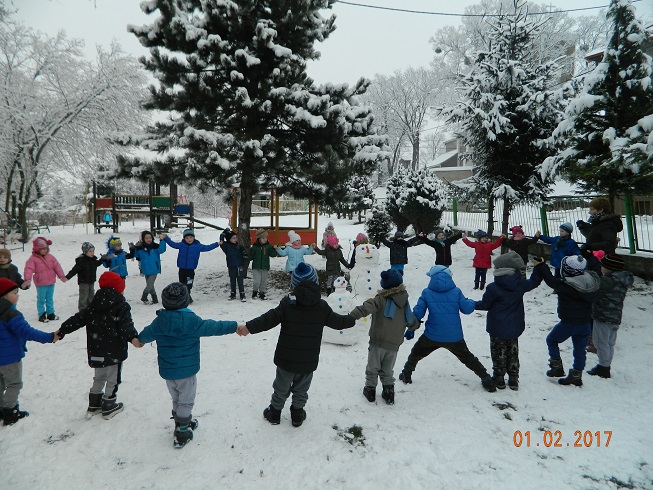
(595, 217)
(391, 309)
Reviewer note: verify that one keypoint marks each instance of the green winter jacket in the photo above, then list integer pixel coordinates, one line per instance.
(260, 255)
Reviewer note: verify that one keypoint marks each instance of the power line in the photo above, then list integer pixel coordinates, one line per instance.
(465, 15)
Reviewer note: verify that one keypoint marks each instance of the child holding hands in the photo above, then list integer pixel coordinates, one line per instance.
(236, 256)
(483, 256)
(85, 269)
(294, 250)
(44, 268)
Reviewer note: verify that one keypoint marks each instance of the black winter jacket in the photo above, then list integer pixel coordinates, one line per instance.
(303, 316)
(109, 328)
(334, 258)
(399, 249)
(442, 253)
(85, 268)
(12, 273)
(602, 233)
(521, 246)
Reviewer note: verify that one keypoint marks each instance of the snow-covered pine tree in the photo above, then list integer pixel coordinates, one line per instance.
(507, 108)
(361, 194)
(422, 201)
(232, 76)
(395, 191)
(606, 136)
(378, 225)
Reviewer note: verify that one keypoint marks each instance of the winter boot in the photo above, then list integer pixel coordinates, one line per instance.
(232, 296)
(261, 296)
(110, 408)
(513, 382)
(144, 299)
(43, 318)
(94, 403)
(272, 415)
(243, 299)
(475, 285)
(254, 294)
(52, 316)
(499, 382)
(482, 286)
(155, 300)
(388, 394)
(369, 393)
(590, 346)
(575, 377)
(190, 299)
(406, 377)
(13, 415)
(297, 416)
(488, 384)
(556, 371)
(183, 431)
(600, 371)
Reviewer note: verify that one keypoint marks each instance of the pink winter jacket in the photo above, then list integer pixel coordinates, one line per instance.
(44, 269)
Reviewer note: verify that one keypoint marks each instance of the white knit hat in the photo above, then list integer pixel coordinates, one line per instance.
(293, 237)
(573, 265)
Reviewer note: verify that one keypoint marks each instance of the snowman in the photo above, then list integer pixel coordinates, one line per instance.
(340, 302)
(365, 275)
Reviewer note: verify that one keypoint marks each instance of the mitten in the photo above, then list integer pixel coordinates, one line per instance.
(409, 335)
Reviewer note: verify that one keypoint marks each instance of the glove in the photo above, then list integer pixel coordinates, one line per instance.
(580, 223)
(409, 335)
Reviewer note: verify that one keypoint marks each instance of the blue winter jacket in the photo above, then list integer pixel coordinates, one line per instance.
(444, 302)
(116, 261)
(177, 334)
(235, 253)
(560, 248)
(189, 255)
(295, 255)
(15, 332)
(504, 301)
(150, 257)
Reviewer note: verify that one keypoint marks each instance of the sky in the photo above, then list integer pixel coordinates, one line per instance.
(366, 42)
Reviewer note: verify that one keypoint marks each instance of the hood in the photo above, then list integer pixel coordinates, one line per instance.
(398, 294)
(613, 217)
(5, 305)
(441, 282)
(587, 283)
(106, 298)
(307, 293)
(173, 321)
(624, 277)
(509, 281)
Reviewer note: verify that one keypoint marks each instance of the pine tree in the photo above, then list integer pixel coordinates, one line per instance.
(423, 200)
(395, 190)
(606, 136)
(232, 76)
(507, 109)
(378, 225)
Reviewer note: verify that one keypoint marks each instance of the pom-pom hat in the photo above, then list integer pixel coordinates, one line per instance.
(39, 243)
(303, 272)
(517, 229)
(332, 241)
(573, 265)
(293, 236)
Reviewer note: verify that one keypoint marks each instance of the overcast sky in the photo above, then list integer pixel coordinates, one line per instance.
(367, 41)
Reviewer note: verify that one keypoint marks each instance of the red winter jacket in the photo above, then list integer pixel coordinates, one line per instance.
(483, 259)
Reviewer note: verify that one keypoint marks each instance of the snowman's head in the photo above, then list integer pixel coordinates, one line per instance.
(340, 283)
(367, 252)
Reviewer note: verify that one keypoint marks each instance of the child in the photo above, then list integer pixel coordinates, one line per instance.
(86, 270)
(399, 250)
(148, 253)
(328, 231)
(441, 245)
(45, 269)
(504, 302)
(303, 315)
(109, 327)
(236, 255)
(177, 332)
(483, 256)
(606, 311)
(9, 270)
(294, 251)
(260, 254)
(188, 257)
(576, 290)
(444, 302)
(519, 243)
(561, 246)
(391, 315)
(14, 333)
(334, 257)
(116, 258)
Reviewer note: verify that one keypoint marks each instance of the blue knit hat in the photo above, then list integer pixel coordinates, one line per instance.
(480, 234)
(86, 246)
(303, 272)
(438, 268)
(188, 233)
(391, 279)
(568, 227)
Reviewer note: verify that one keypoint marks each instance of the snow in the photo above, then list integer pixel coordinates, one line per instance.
(444, 431)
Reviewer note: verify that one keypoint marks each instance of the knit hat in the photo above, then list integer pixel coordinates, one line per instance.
(399, 234)
(6, 286)
(228, 233)
(5, 252)
(480, 234)
(40, 243)
(175, 296)
(115, 242)
(567, 227)
(391, 279)
(303, 272)
(361, 238)
(573, 265)
(438, 232)
(437, 269)
(613, 262)
(144, 234)
(332, 241)
(517, 229)
(112, 280)
(261, 233)
(86, 246)
(188, 233)
(509, 260)
(293, 237)
(330, 225)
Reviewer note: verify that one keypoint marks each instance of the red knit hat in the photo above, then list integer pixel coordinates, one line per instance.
(6, 286)
(112, 280)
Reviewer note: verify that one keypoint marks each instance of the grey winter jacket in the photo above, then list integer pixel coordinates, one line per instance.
(609, 302)
(387, 333)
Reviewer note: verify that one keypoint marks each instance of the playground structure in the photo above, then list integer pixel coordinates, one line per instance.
(277, 234)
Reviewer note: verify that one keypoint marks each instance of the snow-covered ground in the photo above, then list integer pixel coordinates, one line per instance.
(444, 430)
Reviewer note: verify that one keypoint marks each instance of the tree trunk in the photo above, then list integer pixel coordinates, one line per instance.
(490, 215)
(415, 163)
(245, 215)
(507, 207)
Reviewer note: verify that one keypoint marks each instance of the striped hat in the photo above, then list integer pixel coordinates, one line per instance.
(303, 272)
(573, 265)
(86, 246)
(613, 262)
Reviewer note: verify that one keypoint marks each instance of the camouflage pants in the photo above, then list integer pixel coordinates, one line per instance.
(505, 356)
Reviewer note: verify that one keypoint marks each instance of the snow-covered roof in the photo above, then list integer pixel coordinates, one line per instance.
(438, 161)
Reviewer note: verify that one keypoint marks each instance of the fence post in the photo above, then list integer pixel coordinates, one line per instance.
(544, 222)
(628, 205)
(454, 208)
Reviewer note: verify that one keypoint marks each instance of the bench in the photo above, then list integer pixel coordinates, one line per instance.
(35, 226)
